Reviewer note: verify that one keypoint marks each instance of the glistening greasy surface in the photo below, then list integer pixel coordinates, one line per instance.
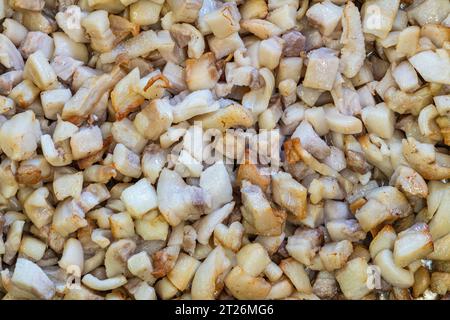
(189, 149)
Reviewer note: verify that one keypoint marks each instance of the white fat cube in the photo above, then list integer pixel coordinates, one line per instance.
(433, 66)
(126, 161)
(25, 93)
(322, 69)
(152, 227)
(406, 77)
(53, 101)
(325, 16)
(139, 198)
(86, 142)
(379, 120)
(270, 52)
(32, 248)
(144, 12)
(224, 21)
(442, 104)
(253, 259)
(378, 16)
(64, 130)
(38, 69)
(284, 17)
(19, 136)
(140, 266)
(68, 185)
(125, 132)
(122, 225)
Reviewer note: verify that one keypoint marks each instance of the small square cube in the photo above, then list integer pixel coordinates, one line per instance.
(140, 266)
(322, 69)
(152, 227)
(68, 185)
(139, 198)
(325, 16)
(86, 141)
(122, 225)
(224, 21)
